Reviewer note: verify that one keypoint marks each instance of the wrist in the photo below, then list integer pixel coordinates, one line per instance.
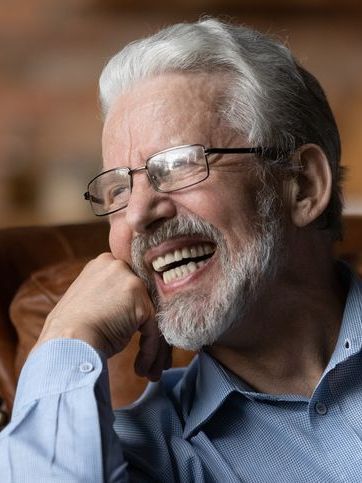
(84, 334)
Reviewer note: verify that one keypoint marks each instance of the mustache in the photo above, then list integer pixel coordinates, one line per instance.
(181, 225)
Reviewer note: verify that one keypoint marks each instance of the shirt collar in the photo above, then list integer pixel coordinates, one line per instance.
(213, 384)
(212, 387)
(349, 341)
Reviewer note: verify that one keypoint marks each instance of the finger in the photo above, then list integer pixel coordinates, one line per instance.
(148, 347)
(163, 361)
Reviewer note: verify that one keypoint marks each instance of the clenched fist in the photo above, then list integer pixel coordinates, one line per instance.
(105, 306)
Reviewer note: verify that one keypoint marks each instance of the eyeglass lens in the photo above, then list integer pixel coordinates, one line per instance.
(177, 168)
(169, 170)
(110, 191)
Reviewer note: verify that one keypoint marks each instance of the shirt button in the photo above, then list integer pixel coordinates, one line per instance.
(86, 367)
(321, 408)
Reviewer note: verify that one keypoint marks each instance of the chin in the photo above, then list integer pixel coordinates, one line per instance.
(196, 312)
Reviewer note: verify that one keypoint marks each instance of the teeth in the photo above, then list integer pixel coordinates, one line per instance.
(192, 267)
(181, 272)
(208, 249)
(193, 251)
(185, 270)
(169, 258)
(200, 251)
(178, 255)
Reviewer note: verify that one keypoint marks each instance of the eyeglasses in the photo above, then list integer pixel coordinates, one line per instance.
(169, 170)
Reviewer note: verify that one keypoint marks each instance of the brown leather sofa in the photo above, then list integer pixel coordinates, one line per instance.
(39, 263)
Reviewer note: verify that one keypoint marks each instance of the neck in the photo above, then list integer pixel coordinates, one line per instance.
(286, 340)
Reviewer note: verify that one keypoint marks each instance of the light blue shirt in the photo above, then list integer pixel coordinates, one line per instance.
(200, 424)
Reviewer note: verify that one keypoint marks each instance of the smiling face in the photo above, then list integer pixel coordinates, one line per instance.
(198, 249)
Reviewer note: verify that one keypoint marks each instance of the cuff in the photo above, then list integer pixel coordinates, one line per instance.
(58, 366)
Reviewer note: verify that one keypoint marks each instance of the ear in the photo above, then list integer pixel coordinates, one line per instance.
(311, 189)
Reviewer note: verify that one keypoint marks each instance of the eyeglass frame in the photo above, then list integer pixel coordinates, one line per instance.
(270, 152)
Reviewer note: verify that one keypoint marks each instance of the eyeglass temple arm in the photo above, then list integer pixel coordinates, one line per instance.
(269, 152)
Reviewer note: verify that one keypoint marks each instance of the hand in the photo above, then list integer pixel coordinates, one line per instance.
(105, 306)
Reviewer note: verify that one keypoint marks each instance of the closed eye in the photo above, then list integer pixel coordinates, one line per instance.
(117, 191)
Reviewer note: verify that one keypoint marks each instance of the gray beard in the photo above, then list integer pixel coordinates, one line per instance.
(193, 319)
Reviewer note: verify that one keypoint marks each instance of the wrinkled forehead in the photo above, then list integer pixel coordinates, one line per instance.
(163, 112)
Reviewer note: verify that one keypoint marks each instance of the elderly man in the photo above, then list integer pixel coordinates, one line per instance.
(221, 181)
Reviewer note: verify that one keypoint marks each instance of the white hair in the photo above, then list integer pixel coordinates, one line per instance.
(270, 98)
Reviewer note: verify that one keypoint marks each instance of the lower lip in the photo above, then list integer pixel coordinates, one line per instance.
(182, 282)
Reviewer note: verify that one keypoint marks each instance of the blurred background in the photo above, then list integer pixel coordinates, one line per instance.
(51, 55)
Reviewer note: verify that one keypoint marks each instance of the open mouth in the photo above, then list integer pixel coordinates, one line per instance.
(179, 263)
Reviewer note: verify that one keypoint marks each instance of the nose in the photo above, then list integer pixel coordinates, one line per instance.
(146, 207)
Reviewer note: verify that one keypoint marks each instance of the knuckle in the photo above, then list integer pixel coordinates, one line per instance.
(105, 256)
(136, 285)
(144, 311)
(100, 259)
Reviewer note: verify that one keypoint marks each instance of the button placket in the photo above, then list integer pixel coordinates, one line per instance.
(347, 343)
(320, 408)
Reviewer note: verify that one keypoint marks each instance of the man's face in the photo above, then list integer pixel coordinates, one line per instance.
(213, 226)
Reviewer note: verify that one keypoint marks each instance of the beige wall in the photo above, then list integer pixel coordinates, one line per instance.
(51, 55)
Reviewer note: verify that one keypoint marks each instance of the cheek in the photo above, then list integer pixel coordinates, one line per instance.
(120, 239)
(228, 207)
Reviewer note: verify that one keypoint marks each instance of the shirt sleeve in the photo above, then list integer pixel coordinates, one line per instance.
(62, 424)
